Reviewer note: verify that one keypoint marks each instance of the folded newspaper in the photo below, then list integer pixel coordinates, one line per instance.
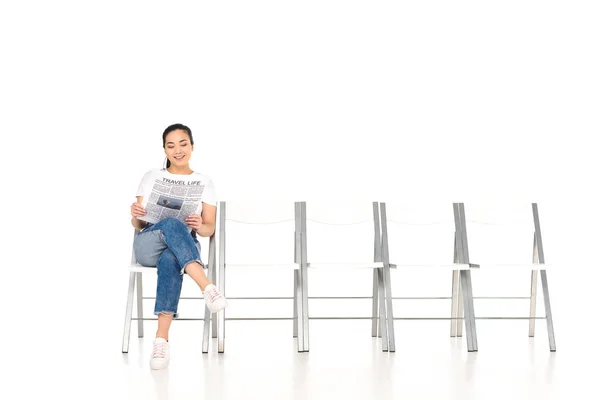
(177, 198)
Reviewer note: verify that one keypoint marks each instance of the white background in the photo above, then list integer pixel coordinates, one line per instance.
(369, 100)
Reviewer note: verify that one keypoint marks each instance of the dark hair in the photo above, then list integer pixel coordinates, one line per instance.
(172, 128)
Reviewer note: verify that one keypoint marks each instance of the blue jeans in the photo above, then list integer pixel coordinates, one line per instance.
(169, 246)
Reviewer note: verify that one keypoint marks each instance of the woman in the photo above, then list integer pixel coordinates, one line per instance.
(171, 245)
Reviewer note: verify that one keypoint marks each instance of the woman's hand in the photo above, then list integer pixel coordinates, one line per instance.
(137, 210)
(194, 221)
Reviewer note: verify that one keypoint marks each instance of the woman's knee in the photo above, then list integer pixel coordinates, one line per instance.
(167, 262)
(148, 247)
(172, 224)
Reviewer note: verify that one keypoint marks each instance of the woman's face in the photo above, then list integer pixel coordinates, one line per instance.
(178, 148)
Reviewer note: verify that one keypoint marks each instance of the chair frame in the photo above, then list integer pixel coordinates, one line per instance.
(538, 263)
(461, 278)
(381, 301)
(301, 316)
(299, 296)
(136, 272)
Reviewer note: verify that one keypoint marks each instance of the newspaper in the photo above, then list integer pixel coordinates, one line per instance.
(172, 198)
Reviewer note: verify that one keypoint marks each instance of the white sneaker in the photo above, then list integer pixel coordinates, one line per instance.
(213, 299)
(160, 354)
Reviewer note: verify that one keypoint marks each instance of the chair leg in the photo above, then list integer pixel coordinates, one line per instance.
(213, 270)
(549, 321)
(454, 304)
(221, 331)
(389, 308)
(305, 315)
(295, 321)
(207, 318)
(299, 313)
(221, 314)
(383, 320)
(460, 314)
(206, 329)
(140, 307)
(214, 326)
(454, 322)
(128, 312)
(532, 303)
(469, 310)
(375, 314)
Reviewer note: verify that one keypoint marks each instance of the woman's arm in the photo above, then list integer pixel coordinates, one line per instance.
(137, 211)
(204, 225)
(209, 220)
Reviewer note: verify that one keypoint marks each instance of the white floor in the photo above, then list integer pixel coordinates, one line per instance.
(83, 358)
(345, 362)
(67, 343)
(78, 354)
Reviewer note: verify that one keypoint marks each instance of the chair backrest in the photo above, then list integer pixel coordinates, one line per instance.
(420, 234)
(501, 241)
(501, 233)
(257, 232)
(342, 232)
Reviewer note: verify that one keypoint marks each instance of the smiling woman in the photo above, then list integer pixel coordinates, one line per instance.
(168, 243)
(178, 144)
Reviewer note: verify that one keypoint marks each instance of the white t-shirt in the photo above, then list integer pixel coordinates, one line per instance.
(207, 196)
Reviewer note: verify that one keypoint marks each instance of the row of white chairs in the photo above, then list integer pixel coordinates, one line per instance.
(378, 236)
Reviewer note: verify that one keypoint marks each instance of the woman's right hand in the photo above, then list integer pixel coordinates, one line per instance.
(137, 210)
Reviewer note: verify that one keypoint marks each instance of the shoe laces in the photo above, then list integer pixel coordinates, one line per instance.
(159, 350)
(213, 294)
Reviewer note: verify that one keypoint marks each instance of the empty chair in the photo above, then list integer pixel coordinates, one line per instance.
(339, 237)
(258, 237)
(505, 239)
(426, 241)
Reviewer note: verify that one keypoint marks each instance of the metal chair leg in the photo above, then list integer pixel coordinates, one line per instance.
(549, 321)
(469, 310)
(299, 313)
(221, 316)
(532, 303)
(295, 322)
(389, 308)
(454, 304)
(128, 312)
(140, 307)
(460, 315)
(207, 317)
(375, 314)
(533, 298)
(305, 315)
(383, 320)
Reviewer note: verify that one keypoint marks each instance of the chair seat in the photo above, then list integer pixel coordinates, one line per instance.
(278, 266)
(371, 265)
(140, 268)
(513, 267)
(432, 266)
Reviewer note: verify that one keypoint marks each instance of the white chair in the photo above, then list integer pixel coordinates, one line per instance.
(344, 236)
(428, 238)
(505, 239)
(135, 276)
(255, 236)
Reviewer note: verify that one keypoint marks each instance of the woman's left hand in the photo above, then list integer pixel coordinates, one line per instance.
(194, 221)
